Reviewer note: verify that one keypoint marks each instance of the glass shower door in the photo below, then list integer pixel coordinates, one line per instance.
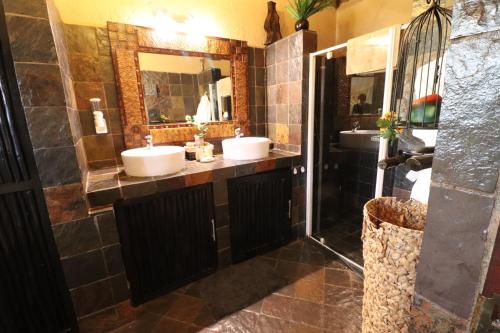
(336, 219)
(345, 104)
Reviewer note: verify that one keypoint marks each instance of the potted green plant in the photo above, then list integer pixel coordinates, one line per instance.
(204, 150)
(303, 9)
(201, 130)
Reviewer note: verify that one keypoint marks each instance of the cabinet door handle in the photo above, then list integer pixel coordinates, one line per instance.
(289, 209)
(213, 229)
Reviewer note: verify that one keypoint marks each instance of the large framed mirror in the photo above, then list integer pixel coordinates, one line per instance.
(162, 79)
(178, 86)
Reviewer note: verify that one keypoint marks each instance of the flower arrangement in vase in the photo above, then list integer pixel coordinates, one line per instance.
(388, 126)
(204, 150)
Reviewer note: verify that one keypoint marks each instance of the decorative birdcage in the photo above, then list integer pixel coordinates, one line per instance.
(419, 77)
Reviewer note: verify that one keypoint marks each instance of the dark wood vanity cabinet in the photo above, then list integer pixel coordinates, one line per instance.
(260, 212)
(168, 239)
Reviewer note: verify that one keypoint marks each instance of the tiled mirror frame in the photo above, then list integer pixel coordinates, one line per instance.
(127, 41)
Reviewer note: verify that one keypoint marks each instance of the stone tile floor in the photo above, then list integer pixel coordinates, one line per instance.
(297, 288)
(344, 235)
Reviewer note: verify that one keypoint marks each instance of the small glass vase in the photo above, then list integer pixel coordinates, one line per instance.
(199, 140)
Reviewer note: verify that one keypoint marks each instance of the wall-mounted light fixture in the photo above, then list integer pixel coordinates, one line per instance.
(194, 27)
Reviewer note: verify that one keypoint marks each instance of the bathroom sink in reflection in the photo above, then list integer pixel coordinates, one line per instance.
(360, 139)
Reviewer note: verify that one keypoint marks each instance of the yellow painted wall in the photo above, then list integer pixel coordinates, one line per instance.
(238, 19)
(358, 17)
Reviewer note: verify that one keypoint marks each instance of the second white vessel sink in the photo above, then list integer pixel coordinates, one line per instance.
(154, 161)
(246, 148)
(360, 139)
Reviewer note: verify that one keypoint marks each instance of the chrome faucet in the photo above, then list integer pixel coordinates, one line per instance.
(149, 141)
(355, 126)
(238, 133)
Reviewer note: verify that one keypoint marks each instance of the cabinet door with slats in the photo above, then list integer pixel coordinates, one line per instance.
(260, 212)
(167, 239)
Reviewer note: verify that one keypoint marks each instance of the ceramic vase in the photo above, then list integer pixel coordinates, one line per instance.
(302, 24)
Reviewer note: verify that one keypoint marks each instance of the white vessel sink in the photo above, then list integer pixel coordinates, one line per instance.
(155, 161)
(246, 148)
(361, 139)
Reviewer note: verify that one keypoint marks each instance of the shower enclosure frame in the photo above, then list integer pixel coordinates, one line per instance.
(383, 147)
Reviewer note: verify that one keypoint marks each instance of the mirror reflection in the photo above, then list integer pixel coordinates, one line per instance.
(367, 94)
(179, 86)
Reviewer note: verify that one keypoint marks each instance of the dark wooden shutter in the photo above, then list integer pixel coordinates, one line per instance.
(33, 292)
(168, 240)
(259, 213)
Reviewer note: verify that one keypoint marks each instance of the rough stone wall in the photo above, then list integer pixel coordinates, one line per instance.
(461, 225)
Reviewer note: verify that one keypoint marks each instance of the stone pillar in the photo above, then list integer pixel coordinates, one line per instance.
(287, 88)
(462, 222)
(287, 73)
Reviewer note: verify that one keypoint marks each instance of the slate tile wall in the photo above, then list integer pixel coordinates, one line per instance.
(91, 66)
(41, 79)
(287, 82)
(92, 269)
(257, 91)
(45, 85)
(92, 263)
(287, 72)
(358, 174)
(461, 222)
(87, 245)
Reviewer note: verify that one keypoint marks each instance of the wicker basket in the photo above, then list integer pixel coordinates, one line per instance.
(392, 237)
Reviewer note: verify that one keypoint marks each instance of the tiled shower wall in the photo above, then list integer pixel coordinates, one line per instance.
(287, 72)
(463, 213)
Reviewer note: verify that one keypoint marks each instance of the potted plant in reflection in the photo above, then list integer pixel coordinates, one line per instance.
(301, 10)
(164, 118)
(204, 150)
(389, 126)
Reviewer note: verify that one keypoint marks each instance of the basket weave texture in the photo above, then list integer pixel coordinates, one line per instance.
(392, 238)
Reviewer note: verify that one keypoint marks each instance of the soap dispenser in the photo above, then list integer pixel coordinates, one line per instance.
(99, 121)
